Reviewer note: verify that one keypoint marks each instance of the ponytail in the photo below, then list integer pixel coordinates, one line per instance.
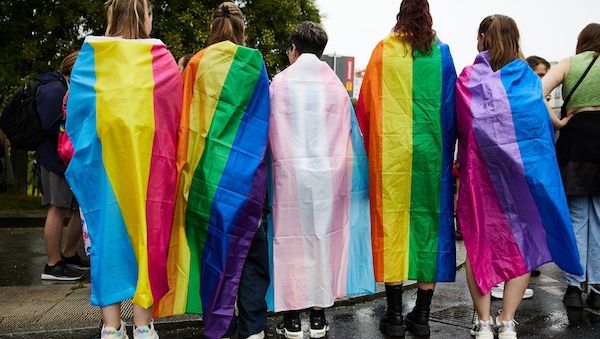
(227, 24)
(501, 40)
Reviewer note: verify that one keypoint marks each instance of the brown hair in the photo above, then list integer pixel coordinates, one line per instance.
(500, 39)
(227, 24)
(589, 39)
(128, 18)
(66, 66)
(414, 25)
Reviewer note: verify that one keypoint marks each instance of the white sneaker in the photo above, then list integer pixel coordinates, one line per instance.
(113, 333)
(482, 329)
(506, 329)
(498, 292)
(145, 332)
(260, 335)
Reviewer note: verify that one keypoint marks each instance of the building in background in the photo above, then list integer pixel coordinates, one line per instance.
(343, 66)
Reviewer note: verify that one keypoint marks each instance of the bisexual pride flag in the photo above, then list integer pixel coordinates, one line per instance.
(512, 207)
(123, 112)
(222, 183)
(406, 113)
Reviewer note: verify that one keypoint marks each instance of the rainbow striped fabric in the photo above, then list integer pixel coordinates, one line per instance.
(319, 228)
(406, 113)
(124, 105)
(221, 189)
(512, 207)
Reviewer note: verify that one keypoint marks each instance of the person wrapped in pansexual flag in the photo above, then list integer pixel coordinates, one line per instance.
(511, 206)
(123, 113)
(407, 116)
(319, 226)
(222, 185)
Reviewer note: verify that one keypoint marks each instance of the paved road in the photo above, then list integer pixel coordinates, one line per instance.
(22, 257)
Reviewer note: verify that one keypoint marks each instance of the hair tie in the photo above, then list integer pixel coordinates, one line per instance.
(225, 11)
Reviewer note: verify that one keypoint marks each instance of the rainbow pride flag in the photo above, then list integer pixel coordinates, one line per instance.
(319, 227)
(221, 189)
(406, 113)
(512, 207)
(123, 112)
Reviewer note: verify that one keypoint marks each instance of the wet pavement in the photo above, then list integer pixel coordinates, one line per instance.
(31, 309)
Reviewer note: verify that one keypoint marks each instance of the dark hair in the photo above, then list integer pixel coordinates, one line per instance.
(128, 18)
(186, 58)
(309, 37)
(535, 60)
(414, 25)
(500, 39)
(66, 66)
(228, 24)
(589, 39)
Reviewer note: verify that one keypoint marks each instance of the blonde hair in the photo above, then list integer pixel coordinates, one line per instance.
(128, 19)
(228, 24)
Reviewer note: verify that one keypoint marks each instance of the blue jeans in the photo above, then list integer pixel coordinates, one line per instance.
(252, 291)
(585, 216)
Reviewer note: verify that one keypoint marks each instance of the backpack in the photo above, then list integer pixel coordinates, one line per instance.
(20, 120)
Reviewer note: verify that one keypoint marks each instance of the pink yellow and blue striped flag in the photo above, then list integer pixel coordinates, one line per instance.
(319, 227)
(123, 113)
(221, 188)
(407, 116)
(512, 207)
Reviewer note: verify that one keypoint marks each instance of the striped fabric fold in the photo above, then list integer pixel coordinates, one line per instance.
(124, 106)
(512, 207)
(406, 113)
(221, 188)
(319, 228)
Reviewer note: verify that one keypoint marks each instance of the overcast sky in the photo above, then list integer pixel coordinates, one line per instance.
(548, 28)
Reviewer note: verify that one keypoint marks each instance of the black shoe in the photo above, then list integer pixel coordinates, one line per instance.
(417, 321)
(318, 324)
(76, 262)
(60, 272)
(392, 324)
(572, 297)
(290, 327)
(593, 300)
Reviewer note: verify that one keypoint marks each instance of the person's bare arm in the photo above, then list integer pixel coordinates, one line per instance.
(550, 81)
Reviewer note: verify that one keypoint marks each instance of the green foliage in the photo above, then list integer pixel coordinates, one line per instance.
(37, 34)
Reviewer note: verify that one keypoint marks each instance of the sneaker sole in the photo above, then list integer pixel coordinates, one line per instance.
(55, 278)
(319, 333)
(289, 334)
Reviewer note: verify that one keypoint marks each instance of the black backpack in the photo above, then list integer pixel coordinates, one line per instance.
(20, 120)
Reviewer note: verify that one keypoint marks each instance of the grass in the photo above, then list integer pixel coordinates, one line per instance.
(10, 201)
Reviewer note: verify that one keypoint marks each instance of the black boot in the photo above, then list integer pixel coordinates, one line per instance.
(417, 321)
(392, 323)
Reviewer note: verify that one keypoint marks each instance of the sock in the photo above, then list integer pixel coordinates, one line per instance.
(424, 299)
(320, 313)
(393, 296)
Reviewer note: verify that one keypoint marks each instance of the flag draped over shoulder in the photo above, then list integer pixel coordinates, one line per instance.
(222, 185)
(512, 207)
(407, 116)
(319, 227)
(123, 113)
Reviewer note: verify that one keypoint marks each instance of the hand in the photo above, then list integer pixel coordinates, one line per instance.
(563, 122)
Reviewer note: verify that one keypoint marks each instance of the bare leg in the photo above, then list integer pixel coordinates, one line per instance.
(142, 316)
(425, 286)
(73, 235)
(53, 233)
(482, 303)
(513, 294)
(111, 316)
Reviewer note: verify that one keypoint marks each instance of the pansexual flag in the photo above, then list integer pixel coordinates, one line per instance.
(221, 188)
(512, 207)
(123, 112)
(406, 113)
